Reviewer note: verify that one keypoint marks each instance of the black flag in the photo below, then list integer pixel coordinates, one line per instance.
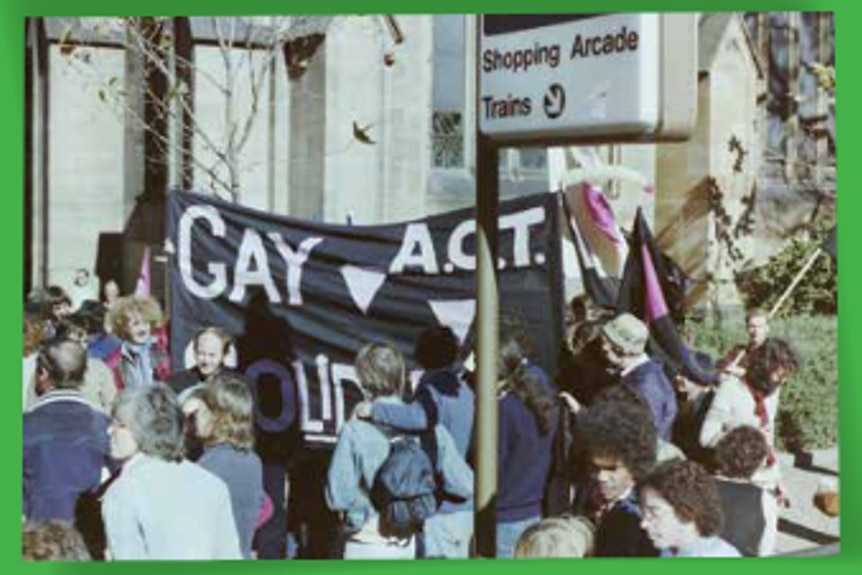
(646, 279)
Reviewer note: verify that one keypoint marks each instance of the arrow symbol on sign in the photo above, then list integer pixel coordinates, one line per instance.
(555, 101)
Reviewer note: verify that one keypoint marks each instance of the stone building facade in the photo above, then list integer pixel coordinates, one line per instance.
(366, 119)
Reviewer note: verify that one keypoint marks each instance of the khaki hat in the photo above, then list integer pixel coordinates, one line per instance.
(627, 333)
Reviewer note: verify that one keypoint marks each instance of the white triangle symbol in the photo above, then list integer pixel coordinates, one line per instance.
(363, 285)
(457, 314)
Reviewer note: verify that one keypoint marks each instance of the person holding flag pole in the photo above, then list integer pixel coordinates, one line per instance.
(829, 246)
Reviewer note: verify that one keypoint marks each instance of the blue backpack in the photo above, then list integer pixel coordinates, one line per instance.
(405, 486)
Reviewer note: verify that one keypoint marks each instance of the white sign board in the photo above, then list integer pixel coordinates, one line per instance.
(587, 77)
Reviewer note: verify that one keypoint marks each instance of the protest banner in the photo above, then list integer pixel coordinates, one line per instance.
(301, 297)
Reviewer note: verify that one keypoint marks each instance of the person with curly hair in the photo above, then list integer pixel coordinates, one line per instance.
(750, 512)
(142, 359)
(620, 441)
(753, 400)
(162, 506)
(682, 511)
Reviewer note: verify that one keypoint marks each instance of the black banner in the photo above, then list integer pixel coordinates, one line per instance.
(301, 298)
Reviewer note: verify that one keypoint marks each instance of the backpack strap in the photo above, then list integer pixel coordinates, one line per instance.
(428, 441)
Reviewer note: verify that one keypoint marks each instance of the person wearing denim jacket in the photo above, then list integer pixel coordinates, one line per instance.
(363, 447)
(440, 398)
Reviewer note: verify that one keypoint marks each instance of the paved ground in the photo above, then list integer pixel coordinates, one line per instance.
(804, 526)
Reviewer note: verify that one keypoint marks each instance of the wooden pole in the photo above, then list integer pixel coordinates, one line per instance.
(799, 275)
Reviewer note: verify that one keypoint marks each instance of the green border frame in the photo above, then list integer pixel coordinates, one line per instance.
(848, 41)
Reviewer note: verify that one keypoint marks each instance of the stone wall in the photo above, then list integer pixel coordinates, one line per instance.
(705, 184)
(86, 163)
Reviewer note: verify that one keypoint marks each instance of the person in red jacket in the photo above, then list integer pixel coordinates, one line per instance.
(142, 359)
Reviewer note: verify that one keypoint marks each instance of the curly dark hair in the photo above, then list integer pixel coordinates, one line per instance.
(690, 490)
(524, 383)
(741, 452)
(620, 429)
(773, 355)
(437, 347)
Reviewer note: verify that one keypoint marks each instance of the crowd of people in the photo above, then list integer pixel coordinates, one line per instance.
(616, 455)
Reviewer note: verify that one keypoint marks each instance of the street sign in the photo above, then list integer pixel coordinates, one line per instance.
(577, 78)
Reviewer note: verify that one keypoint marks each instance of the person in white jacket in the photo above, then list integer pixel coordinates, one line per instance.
(162, 506)
(752, 399)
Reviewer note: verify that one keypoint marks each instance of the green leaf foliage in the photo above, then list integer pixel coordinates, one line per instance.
(816, 293)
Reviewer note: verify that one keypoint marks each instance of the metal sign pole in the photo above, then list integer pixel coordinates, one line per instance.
(537, 79)
(487, 199)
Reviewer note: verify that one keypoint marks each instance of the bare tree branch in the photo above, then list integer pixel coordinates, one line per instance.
(145, 47)
(163, 143)
(146, 37)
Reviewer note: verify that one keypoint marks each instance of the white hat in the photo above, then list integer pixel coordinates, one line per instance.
(627, 333)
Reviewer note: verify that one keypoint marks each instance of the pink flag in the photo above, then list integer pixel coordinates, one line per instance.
(599, 230)
(655, 305)
(142, 288)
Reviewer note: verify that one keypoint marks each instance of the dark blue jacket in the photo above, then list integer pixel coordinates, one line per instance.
(650, 381)
(524, 461)
(66, 446)
(619, 532)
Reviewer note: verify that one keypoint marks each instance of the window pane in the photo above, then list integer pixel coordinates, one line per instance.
(448, 139)
(447, 119)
